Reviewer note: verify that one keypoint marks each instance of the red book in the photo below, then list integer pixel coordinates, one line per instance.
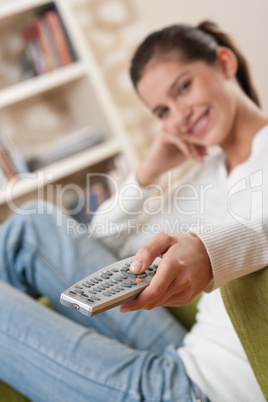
(30, 33)
(59, 37)
(48, 48)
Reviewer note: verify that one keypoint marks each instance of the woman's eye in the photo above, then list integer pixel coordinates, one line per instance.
(184, 87)
(162, 113)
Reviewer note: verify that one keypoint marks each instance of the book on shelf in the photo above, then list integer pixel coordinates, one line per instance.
(6, 165)
(47, 46)
(27, 65)
(54, 23)
(67, 145)
(47, 43)
(12, 162)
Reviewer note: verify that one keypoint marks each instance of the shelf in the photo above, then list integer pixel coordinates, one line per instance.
(59, 170)
(42, 83)
(18, 6)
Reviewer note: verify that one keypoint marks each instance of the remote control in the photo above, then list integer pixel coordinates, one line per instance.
(107, 288)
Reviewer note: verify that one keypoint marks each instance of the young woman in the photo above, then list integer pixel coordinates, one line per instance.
(197, 82)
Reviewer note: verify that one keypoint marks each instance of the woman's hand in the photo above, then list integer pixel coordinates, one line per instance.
(166, 152)
(183, 272)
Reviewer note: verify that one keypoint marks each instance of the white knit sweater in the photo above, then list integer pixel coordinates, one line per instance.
(229, 214)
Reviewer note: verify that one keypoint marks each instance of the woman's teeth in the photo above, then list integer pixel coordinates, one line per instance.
(198, 124)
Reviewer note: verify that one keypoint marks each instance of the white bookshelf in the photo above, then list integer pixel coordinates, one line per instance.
(80, 88)
(42, 83)
(31, 182)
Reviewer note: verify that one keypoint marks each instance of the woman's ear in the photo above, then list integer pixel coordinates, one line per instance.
(227, 61)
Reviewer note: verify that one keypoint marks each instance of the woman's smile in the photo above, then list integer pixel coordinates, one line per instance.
(200, 124)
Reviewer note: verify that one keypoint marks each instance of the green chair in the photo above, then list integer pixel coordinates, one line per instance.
(246, 301)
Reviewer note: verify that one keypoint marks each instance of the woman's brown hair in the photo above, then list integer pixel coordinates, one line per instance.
(191, 43)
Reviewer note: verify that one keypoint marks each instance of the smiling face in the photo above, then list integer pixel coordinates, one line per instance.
(194, 100)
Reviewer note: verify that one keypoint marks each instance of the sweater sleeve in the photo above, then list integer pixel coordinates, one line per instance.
(235, 250)
(115, 222)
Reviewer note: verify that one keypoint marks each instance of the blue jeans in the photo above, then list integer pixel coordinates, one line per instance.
(62, 355)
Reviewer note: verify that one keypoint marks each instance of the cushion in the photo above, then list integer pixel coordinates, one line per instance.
(246, 301)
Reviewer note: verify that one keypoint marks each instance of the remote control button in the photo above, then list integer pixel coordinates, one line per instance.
(108, 273)
(92, 292)
(78, 287)
(123, 269)
(111, 292)
(106, 294)
(155, 266)
(79, 290)
(117, 279)
(132, 283)
(123, 277)
(114, 270)
(95, 298)
(93, 281)
(90, 301)
(126, 285)
(139, 280)
(109, 284)
(151, 274)
(71, 292)
(102, 287)
(86, 285)
(150, 269)
(97, 279)
(83, 295)
(127, 264)
(89, 283)
(130, 274)
(104, 276)
(113, 282)
(119, 288)
(97, 290)
(116, 290)
(141, 276)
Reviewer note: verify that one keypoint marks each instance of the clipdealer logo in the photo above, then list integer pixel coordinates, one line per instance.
(252, 207)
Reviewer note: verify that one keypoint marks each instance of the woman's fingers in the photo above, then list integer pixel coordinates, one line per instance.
(153, 294)
(190, 151)
(185, 148)
(172, 297)
(148, 253)
(143, 259)
(198, 153)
